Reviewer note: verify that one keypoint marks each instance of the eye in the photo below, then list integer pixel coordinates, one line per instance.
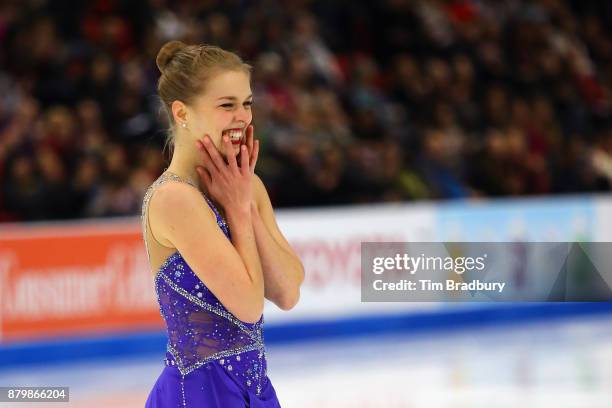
(231, 105)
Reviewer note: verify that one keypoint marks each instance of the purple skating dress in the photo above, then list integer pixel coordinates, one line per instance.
(213, 359)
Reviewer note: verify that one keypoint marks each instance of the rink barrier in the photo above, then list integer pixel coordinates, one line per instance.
(150, 344)
(57, 307)
(88, 278)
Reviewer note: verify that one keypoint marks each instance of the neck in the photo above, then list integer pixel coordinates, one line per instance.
(184, 161)
(185, 158)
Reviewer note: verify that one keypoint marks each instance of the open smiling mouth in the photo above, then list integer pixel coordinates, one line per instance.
(235, 135)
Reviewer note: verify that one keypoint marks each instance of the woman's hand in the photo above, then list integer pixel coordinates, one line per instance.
(249, 142)
(229, 184)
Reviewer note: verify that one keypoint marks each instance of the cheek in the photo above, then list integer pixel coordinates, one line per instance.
(221, 121)
(225, 116)
(198, 129)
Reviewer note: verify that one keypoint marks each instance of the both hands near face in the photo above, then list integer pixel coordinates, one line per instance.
(231, 183)
(240, 187)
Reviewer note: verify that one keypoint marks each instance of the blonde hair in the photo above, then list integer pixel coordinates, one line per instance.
(187, 69)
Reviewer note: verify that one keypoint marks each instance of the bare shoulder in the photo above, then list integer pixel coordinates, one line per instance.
(175, 193)
(258, 183)
(172, 206)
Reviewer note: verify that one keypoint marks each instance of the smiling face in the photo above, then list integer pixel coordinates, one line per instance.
(223, 109)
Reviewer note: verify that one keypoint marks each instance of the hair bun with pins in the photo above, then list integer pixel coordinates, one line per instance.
(167, 52)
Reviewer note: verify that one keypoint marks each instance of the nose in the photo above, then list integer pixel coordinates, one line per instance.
(243, 115)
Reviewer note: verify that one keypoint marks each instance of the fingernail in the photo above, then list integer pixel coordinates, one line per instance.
(225, 139)
(206, 139)
(243, 148)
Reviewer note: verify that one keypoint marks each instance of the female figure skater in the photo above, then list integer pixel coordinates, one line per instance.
(211, 237)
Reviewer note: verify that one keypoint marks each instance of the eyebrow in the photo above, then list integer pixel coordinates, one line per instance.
(233, 98)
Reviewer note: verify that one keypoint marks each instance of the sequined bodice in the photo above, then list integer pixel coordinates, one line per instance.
(201, 331)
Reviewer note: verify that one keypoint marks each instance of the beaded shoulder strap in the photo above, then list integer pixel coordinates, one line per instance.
(164, 177)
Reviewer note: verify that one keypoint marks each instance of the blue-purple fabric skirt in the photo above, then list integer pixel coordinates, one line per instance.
(209, 386)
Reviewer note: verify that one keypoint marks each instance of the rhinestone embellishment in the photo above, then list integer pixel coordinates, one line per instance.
(201, 331)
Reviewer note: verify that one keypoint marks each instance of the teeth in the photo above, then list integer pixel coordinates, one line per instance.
(235, 134)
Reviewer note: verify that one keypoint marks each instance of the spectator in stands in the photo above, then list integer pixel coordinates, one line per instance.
(478, 98)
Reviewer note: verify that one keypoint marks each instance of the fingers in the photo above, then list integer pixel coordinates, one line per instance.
(229, 152)
(250, 141)
(205, 176)
(214, 164)
(244, 160)
(254, 155)
(214, 154)
(249, 138)
(208, 161)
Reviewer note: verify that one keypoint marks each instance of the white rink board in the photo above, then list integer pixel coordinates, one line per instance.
(328, 242)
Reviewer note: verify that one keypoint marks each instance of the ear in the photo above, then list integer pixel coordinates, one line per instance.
(179, 112)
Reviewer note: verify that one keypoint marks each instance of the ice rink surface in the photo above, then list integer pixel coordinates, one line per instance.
(563, 363)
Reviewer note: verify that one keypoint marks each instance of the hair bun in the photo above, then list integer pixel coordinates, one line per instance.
(167, 52)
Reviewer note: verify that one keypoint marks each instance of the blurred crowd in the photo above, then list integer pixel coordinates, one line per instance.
(355, 101)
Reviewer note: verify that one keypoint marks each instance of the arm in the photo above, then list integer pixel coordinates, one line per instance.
(243, 238)
(283, 271)
(232, 272)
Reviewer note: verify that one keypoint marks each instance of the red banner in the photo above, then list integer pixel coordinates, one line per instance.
(72, 279)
